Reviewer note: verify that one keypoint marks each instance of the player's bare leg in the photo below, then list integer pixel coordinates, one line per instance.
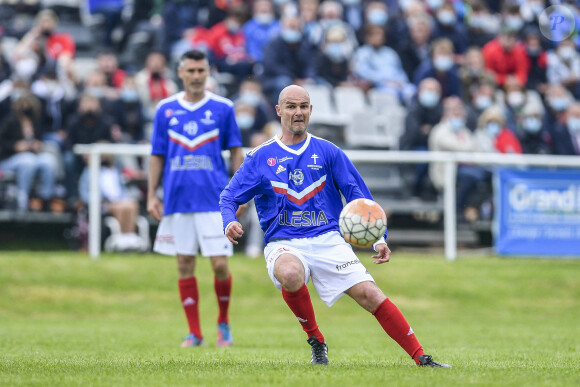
(189, 294)
(289, 270)
(372, 299)
(223, 291)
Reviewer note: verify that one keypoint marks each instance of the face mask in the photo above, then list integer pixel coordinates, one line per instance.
(443, 63)
(335, 51)
(290, 35)
(25, 68)
(514, 23)
(536, 8)
(446, 17)
(280, 2)
(264, 18)
(532, 124)
(232, 26)
(250, 98)
(534, 52)
(477, 21)
(492, 129)
(482, 102)
(515, 99)
(457, 123)
(429, 98)
(573, 124)
(559, 104)
(566, 52)
(351, 2)
(378, 17)
(245, 121)
(434, 4)
(129, 95)
(94, 91)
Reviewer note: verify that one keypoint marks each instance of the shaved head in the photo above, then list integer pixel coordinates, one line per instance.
(292, 89)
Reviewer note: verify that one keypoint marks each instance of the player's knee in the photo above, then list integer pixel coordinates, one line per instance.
(290, 277)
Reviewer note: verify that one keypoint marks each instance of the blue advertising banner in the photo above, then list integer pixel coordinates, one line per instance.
(537, 212)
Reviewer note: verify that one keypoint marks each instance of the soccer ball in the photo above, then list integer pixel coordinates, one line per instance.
(362, 222)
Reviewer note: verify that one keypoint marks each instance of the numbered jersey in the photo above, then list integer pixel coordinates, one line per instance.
(297, 189)
(191, 137)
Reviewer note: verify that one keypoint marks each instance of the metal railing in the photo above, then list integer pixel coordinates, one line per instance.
(450, 160)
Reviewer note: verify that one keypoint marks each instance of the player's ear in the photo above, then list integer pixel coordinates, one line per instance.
(278, 110)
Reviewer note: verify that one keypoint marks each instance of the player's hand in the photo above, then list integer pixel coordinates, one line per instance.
(241, 210)
(383, 254)
(155, 207)
(234, 231)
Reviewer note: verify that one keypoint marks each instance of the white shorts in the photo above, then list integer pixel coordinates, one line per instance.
(327, 258)
(185, 234)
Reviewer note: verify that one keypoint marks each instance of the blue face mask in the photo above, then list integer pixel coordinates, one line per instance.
(245, 121)
(482, 102)
(532, 124)
(493, 129)
(378, 17)
(457, 123)
(251, 98)
(573, 124)
(129, 95)
(429, 98)
(335, 51)
(290, 35)
(559, 104)
(443, 63)
(264, 18)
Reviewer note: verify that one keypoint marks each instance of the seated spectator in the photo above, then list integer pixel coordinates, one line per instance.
(260, 29)
(492, 135)
(537, 72)
(95, 85)
(448, 26)
(452, 135)
(564, 66)
(377, 13)
(378, 66)
(558, 99)
(246, 120)
(417, 51)
(23, 152)
(511, 18)
(516, 100)
(424, 113)
(505, 56)
(87, 126)
(330, 15)
(308, 14)
(110, 11)
(108, 64)
(227, 44)
(534, 138)
(178, 16)
(482, 25)
(288, 59)
(117, 202)
(332, 62)
(250, 92)
(566, 134)
(154, 83)
(473, 72)
(441, 66)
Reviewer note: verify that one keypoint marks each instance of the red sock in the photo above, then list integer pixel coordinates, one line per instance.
(190, 301)
(301, 305)
(396, 326)
(223, 291)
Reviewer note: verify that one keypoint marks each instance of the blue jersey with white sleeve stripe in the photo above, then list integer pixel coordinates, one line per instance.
(296, 189)
(191, 137)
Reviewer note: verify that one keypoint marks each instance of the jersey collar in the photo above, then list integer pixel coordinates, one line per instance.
(192, 106)
(296, 152)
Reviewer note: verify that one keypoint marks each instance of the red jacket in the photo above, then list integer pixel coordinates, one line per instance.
(60, 43)
(503, 63)
(224, 44)
(507, 142)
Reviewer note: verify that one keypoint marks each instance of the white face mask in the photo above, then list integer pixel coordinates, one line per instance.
(264, 18)
(566, 52)
(245, 121)
(251, 98)
(443, 63)
(482, 102)
(493, 129)
(290, 35)
(26, 67)
(515, 99)
(532, 124)
(457, 123)
(573, 124)
(446, 17)
(429, 98)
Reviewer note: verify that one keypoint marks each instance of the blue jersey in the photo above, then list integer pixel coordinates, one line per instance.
(297, 190)
(191, 137)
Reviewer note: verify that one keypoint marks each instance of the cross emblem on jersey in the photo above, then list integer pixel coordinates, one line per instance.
(207, 119)
(314, 157)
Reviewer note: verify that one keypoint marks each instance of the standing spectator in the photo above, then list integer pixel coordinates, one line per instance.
(22, 151)
(260, 29)
(567, 134)
(154, 82)
(299, 248)
(288, 59)
(441, 67)
(424, 113)
(504, 56)
(379, 66)
(186, 156)
(564, 66)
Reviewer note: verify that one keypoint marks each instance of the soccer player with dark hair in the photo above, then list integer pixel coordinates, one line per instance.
(190, 130)
(296, 180)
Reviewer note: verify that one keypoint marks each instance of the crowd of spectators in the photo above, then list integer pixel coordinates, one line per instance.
(474, 75)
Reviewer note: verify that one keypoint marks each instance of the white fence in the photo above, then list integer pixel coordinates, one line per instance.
(375, 156)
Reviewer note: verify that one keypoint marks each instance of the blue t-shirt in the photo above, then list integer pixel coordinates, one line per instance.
(296, 189)
(191, 137)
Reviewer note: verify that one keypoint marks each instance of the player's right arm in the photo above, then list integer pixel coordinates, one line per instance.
(154, 205)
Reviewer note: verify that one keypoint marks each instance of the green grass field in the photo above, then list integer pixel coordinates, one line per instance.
(67, 320)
